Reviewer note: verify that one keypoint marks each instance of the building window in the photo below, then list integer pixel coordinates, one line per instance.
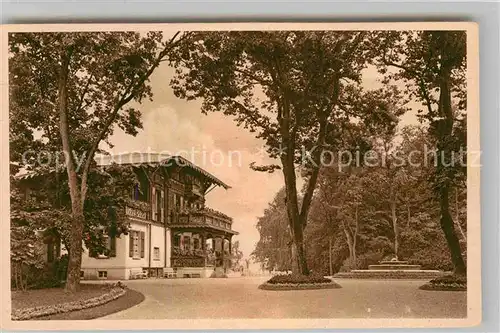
(178, 203)
(196, 243)
(156, 253)
(186, 242)
(136, 244)
(159, 205)
(102, 274)
(82, 274)
(141, 190)
(109, 247)
(53, 250)
(177, 240)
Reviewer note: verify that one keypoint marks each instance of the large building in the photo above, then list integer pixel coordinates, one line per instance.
(172, 232)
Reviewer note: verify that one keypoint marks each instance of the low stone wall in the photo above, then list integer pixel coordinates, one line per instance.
(390, 274)
(202, 272)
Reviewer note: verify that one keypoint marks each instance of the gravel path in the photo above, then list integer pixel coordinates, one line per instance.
(240, 298)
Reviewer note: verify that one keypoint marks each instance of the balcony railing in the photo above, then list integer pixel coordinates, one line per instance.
(204, 216)
(196, 258)
(191, 258)
(140, 210)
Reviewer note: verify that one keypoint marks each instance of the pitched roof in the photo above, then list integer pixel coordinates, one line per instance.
(139, 159)
(155, 160)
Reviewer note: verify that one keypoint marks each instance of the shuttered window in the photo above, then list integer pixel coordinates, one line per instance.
(162, 206)
(142, 244)
(154, 215)
(136, 244)
(112, 246)
(131, 243)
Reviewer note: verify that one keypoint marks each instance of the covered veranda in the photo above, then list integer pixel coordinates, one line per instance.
(199, 251)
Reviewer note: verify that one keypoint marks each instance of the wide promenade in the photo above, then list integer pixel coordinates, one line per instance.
(239, 297)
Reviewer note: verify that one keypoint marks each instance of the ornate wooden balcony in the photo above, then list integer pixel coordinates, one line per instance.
(205, 217)
(195, 258)
(138, 210)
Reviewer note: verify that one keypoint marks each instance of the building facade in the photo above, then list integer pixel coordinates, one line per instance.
(172, 233)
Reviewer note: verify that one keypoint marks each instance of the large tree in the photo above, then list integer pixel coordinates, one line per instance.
(294, 89)
(433, 65)
(68, 92)
(41, 205)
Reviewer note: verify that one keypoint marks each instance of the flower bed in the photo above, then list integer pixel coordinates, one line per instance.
(114, 292)
(446, 283)
(298, 282)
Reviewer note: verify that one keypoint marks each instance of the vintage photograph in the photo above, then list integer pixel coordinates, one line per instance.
(302, 174)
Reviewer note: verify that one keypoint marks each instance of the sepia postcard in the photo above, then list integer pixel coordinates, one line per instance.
(240, 176)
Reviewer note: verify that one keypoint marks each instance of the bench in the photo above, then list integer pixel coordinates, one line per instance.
(138, 275)
(192, 275)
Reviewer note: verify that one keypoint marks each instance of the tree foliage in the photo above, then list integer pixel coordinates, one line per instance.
(69, 92)
(332, 226)
(433, 64)
(298, 91)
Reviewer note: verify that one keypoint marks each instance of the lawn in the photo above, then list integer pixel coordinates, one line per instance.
(51, 297)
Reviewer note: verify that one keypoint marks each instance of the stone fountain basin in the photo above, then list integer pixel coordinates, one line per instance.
(390, 274)
(392, 266)
(393, 262)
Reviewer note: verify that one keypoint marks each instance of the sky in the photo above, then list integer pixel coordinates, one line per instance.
(215, 143)
(176, 126)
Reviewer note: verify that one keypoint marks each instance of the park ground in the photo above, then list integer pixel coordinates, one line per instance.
(240, 298)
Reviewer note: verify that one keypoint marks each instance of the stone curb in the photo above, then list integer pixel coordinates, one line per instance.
(40, 311)
(443, 287)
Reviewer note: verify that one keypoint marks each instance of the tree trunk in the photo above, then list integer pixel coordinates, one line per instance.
(351, 258)
(457, 217)
(14, 269)
(408, 215)
(75, 252)
(395, 228)
(330, 256)
(77, 217)
(448, 228)
(355, 238)
(294, 219)
(24, 276)
(444, 133)
(350, 245)
(301, 253)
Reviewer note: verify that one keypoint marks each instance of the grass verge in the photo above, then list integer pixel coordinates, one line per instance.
(37, 304)
(128, 300)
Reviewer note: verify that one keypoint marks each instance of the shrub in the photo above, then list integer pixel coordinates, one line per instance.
(60, 268)
(439, 262)
(447, 282)
(450, 279)
(45, 281)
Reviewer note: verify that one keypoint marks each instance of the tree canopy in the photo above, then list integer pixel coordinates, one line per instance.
(298, 91)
